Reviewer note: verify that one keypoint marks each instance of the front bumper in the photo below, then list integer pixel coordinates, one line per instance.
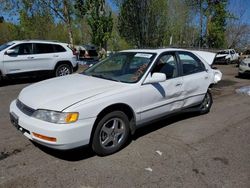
(67, 136)
(244, 69)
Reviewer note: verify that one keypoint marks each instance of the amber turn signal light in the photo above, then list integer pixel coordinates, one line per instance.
(51, 139)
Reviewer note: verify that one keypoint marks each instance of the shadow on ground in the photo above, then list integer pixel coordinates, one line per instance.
(243, 77)
(147, 129)
(86, 152)
(76, 154)
(17, 81)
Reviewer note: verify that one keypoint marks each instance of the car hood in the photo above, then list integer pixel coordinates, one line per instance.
(221, 55)
(60, 93)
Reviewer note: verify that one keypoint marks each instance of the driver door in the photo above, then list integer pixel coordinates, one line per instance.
(160, 99)
(20, 60)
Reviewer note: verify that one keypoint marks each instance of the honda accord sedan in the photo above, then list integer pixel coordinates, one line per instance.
(104, 105)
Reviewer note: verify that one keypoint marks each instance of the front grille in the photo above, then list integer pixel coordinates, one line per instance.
(25, 109)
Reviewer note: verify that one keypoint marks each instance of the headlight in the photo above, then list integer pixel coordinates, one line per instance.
(56, 117)
(242, 63)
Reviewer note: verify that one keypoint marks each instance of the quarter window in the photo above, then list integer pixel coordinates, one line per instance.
(59, 48)
(190, 63)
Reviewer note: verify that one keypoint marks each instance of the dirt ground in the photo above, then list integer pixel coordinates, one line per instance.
(186, 150)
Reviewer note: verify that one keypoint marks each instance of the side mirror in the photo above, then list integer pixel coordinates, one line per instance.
(10, 52)
(155, 78)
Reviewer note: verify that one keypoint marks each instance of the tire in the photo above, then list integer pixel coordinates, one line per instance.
(63, 70)
(240, 75)
(111, 133)
(206, 103)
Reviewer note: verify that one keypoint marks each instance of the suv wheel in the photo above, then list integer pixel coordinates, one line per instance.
(62, 70)
(111, 133)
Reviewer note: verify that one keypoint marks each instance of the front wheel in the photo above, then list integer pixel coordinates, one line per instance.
(206, 103)
(62, 70)
(111, 133)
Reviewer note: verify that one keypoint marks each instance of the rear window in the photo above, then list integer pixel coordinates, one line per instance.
(92, 53)
(41, 48)
(59, 48)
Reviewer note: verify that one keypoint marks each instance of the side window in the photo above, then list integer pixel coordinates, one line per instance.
(190, 63)
(167, 64)
(59, 48)
(23, 49)
(44, 48)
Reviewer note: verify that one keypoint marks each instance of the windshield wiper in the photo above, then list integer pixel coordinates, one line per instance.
(104, 77)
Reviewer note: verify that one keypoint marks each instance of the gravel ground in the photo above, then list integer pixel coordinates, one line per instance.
(186, 150)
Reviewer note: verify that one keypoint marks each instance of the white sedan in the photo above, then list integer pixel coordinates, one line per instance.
(110, 100)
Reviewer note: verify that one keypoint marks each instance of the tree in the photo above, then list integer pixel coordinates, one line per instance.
(213, 15)
(62, 10)
(1, 19)
(143, 23)
(237, 31)
(216, 23)
(99, 19)
(197, 6)
(181, 30)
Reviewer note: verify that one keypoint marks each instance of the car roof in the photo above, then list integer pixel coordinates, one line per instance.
(158, 51)
(40, 41)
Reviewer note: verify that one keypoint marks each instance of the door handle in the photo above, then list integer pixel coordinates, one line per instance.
(55, 55)
(30, 57)
(178, 84)
(206, 77)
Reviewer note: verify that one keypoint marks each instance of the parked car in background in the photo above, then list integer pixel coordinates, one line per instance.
(35, 57)
(244, 67)
(104, 105)
(227, 56)
(245, 54)
(87, 54)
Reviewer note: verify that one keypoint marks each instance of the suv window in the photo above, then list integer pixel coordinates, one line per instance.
(167, 64)
(59, 48)
(43, 48)
(190, 63)
(23, 49)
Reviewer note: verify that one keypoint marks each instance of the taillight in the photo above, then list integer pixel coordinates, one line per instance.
(75, 52)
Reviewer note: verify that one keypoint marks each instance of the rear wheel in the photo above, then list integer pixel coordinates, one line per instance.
(62, 70)
(240, 75)
(111, 133)
(206, 103)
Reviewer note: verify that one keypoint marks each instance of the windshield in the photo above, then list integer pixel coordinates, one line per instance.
(126, 67)
(223, 52)
(6, 45)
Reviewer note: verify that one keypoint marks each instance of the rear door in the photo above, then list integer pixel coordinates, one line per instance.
(195, 78)
(44, 56)
(21, 60)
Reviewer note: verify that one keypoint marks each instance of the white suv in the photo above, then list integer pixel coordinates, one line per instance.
(20, 58)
